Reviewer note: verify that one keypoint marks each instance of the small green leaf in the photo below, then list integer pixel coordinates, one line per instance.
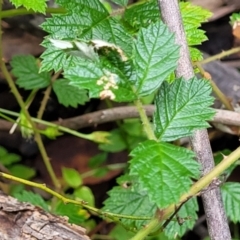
(129, 198)
(36, 5)
(69, 95)
(182, 107)
(84, 193)
(75, 213)
(164, 170)
(22, 171)
(235, 18)
(97, 160)
(192, 17)
(33, 198)
(51, 132)
(7, 158)
(156, 55)
(188, 214)
(116, 142)
(27, 72)
(231, 200)
(71, 177)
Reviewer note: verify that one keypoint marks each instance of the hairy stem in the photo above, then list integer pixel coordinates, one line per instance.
(145, 121)
(47, 95)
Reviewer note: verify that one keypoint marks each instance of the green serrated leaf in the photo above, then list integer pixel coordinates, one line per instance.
(116, 142)
(30, 197)
(101, 82)
(22, 171)
(129, 198)
(71, 177)
(87, 20)
(142, 14)
(188, 214)
(36, 5)
(69, 95)
(156, 56)
(55, 58)
(192, 17)
(164, 170)
(182, 107)
(26, 70)
(7, 158)
(231, 200)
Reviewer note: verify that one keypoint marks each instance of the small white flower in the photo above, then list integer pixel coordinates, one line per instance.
(107, 94)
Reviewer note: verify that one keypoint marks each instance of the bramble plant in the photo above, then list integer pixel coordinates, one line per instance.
(124, 55)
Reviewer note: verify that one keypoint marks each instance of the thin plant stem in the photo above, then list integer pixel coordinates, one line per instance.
(221, 96)
(26, 113)
(23, 11)
(27, 103)
(220, 55)
(67, 200)
(145, 121)
(46, 96)
(43, 105)
(49, 124)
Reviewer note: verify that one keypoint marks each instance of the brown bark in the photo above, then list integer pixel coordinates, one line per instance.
(23, 221)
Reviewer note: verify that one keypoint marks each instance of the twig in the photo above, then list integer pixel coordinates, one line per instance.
(220, 55)
(215, 214)
(221, 96)
(145, 121)
(103, 116)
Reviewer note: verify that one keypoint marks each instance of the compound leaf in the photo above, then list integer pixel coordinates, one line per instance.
(155, 56)
(36, 5)
(69, 95)
(86, 20)
(26, 70)
(231, 200)
(182, 107)
(164, 170)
